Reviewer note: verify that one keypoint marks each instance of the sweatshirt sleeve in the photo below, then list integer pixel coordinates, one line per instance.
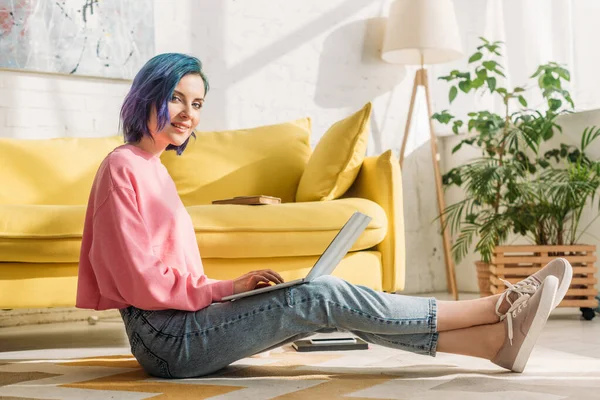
(127, 270)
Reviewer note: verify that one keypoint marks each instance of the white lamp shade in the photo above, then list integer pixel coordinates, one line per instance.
(421, 32)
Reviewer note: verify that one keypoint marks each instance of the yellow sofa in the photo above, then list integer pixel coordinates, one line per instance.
(44, 188)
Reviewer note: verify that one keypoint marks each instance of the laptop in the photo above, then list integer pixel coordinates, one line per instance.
(331, 257)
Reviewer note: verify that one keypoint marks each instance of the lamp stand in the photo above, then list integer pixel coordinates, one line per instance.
(421, 79)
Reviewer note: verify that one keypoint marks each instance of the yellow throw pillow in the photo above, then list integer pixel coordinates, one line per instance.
(267, 160)
(336, 160)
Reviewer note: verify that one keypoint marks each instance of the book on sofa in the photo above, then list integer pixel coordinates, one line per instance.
(250, 200)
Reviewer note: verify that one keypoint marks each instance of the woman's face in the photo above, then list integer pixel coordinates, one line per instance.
(184, 112)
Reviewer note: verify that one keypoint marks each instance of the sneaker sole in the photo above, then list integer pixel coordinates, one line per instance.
(545, 307)
(564, 283)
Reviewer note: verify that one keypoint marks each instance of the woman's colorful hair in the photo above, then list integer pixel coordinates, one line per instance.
(153, 86)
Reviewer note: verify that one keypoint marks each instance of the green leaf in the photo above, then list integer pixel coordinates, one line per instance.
(548, 134)
(563, 73)
(491, 81)
(477, 83)
(523, 101)
(465, 86)
(489, 65)
(554, 104)
(457, 147)
(493, 48)
(549, 81)
(457, 124)
(442, 117)
(475, 57)
(538, 71)
(589, 135)
(518, 89)
(452, 94)
(558, 127)
(481, 73)
(471, 124)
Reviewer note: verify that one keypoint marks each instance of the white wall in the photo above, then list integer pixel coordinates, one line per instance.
(274, 60)
(45, 106)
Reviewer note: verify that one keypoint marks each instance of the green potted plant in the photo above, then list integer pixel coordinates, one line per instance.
(513, 188)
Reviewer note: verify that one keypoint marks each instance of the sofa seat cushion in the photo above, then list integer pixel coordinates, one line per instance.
(40, 233)
(52, 234)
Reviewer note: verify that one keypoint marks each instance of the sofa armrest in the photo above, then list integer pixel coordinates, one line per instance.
(380, 180)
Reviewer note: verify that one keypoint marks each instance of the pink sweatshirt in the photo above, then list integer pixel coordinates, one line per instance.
(139, 246)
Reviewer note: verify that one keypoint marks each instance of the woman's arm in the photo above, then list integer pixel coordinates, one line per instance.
(127, 270)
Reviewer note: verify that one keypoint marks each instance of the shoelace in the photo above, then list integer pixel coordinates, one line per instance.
(513, 311)
(524, 287)
(524, 290)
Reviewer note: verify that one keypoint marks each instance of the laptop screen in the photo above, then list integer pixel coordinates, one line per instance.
(339, 246)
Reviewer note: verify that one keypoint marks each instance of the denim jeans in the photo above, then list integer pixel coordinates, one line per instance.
(183, 344)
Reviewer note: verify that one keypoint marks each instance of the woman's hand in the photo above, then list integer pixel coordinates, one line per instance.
(251, 280)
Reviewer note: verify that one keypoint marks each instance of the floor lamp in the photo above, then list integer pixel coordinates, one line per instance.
(421, 32)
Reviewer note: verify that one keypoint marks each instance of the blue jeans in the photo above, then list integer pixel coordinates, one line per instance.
(183, 344)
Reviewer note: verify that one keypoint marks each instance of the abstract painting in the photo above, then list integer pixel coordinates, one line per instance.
(104, 38)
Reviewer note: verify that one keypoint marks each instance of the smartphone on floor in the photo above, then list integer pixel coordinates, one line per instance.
(330, 344)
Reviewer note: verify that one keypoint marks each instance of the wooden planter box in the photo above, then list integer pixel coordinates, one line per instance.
(513, 263)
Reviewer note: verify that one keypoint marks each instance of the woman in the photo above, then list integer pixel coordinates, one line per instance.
(175, 323)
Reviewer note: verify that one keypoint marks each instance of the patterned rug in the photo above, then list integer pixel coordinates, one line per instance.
(376, 373)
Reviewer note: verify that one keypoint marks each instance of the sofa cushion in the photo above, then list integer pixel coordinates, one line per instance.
(52, 234)
(51, 171)
(40, 233)
(335, 163)
(265, 160)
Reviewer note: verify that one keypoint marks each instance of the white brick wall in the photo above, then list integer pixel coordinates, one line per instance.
(45, 106)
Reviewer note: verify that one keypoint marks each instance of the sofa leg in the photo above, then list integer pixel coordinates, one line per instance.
(92, 319)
